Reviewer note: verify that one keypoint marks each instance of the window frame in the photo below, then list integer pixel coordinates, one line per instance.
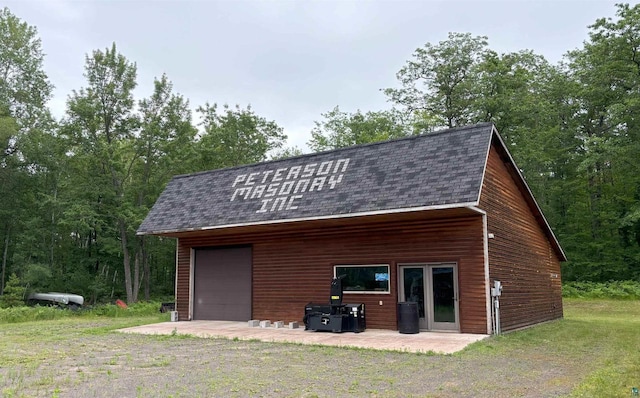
(388, 291)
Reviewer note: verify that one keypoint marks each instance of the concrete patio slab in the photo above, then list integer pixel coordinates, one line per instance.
(378, 339)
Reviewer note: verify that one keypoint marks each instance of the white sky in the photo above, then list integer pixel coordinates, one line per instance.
(291, 60)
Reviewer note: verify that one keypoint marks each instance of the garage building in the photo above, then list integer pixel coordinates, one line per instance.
(435, 218)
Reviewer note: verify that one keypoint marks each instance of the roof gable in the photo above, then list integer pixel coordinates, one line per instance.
(428, 171)
(530, 200)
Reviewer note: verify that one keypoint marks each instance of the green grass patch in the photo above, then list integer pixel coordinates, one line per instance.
(613, 327)
(38, 313)
(606, 333)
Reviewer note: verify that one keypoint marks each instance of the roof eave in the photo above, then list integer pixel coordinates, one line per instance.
(316, 218)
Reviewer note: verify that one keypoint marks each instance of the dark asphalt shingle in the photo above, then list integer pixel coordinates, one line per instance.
(442, 168)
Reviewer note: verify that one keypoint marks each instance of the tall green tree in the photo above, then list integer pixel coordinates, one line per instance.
(24, 86)
(439, 80)
(9, 179)
(340, 129)
(101, 126)
(234, 136)
(606, 77)
(166, 145)
(24, 92)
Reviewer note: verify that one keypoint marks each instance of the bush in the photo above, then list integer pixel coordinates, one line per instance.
(616, 290)
(13, 294)
(137, 309)
(38, 313)
(27, 314)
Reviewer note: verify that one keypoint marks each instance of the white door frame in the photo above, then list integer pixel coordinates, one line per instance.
(429, 323)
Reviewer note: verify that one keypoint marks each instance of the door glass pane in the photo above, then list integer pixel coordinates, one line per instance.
(444, 309)
(414, 287)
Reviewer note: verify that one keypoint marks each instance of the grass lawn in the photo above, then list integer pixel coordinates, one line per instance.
(602, 336)
(613, 329)
(593, 352)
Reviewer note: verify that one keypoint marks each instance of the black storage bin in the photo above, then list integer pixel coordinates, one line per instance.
(408, 318)
(355, 318)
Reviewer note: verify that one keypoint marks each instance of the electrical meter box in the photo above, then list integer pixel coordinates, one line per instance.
(496, 290)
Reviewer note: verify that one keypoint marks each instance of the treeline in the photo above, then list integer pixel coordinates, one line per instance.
(75, 190)
(572, 128)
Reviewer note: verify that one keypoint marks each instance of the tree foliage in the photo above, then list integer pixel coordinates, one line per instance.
(341, 129)
(440, 79)
(24, 86)
(74, 191)
(572, 128)
(13, 293)
(234, 136)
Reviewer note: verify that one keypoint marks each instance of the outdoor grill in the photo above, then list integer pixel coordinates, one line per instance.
(335, 316)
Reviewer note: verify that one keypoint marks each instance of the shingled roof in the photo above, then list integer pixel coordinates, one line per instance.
(437, 170)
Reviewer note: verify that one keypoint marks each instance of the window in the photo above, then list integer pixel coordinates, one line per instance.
(363, 278)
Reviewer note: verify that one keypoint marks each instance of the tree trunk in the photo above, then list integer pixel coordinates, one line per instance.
(146, 272)
(126, 261)
(5, 251)
(53, 228)
(136, 275)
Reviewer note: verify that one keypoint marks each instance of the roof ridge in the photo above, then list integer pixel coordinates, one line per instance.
(440, 168)
(306, 155)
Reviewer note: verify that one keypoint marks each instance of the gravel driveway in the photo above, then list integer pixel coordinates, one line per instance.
(122, 365)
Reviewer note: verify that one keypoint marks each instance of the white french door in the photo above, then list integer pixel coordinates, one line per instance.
(435, 288)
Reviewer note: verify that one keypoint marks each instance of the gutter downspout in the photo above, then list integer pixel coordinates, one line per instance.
(487, 281)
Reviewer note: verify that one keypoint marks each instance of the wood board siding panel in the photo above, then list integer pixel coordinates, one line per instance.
(293, 269)
(520, 255)
(183, 281)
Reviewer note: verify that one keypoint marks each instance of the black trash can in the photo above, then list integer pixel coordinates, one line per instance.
(408, 318)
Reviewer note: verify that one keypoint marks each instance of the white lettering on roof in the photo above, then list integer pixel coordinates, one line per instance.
(283, 188)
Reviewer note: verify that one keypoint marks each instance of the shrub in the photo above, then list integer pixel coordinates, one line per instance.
(136, 309)
(27, 314)
(617, 290)
(13, 294)
(38, 313)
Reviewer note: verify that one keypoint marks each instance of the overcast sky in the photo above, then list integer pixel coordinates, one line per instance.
(291, 60)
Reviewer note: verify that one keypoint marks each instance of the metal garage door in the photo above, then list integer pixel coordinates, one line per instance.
(222, 284)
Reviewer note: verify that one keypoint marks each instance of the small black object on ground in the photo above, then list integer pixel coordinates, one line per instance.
(335, 316)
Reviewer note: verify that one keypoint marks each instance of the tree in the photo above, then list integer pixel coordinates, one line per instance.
(341, 129)
(439, 79)
(101, 127)
(606, 78)
(236, 136)
(166, 146)
(13, 293)
(8, 189)
(24, 86)
(24, 91)
(288, 152)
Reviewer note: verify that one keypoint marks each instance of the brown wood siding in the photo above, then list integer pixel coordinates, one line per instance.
(183, 284)
(292, 269)
(520, 255)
